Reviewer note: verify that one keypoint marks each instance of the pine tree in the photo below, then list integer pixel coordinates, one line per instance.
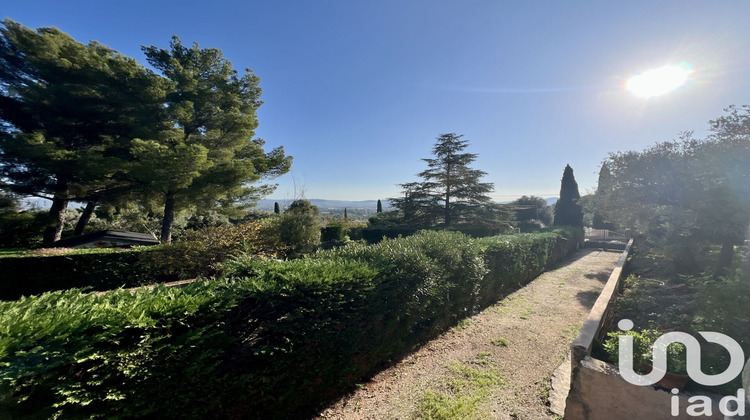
(68, 112)
(210, 155)
(379, 207)
(567, 210)
(451, 192)
(276, 208)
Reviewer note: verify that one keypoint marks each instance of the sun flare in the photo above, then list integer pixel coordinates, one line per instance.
(659, 81)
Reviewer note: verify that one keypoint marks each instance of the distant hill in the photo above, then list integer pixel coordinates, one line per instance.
(267, 204)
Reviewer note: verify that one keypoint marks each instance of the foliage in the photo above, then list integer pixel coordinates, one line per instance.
(388, 218)
(210, 156)
(269, 339)
(22, 229)
(643, 342)
(657, 299)
(100, 270)
(688, 192)
(531, 213)
(298, 228)
(202, 252)
(718, 305)
(199, 253)
(379, 207)
(450, 192)
(79, 355)
(603, 187)
(567, 210)
(332, 232)
(68, 112)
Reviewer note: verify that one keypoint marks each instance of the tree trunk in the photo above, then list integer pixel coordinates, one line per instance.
(85, 217)
(448, 220)
(166, 226)
(57, 219)
(725, 257)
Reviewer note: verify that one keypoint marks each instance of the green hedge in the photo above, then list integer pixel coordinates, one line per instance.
(270, 339)
(31, 275)
(199, 253)
(99, 270)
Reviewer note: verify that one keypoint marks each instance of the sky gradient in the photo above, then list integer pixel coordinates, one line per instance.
(358, 91)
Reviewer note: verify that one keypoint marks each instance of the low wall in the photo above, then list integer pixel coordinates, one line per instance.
(600, 313)
(598, 392)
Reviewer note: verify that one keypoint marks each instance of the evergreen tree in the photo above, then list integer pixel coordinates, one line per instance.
(528, 208)
(603, 187)
(379, 208)
(209, 156)
(67, 114)
(451, 192)
(299, 227)
(346, 216)
(567, 210)
(276, 208)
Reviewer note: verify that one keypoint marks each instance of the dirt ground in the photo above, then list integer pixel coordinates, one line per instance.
(497, 364)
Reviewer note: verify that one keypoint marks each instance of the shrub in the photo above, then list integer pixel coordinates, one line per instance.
(376, 234)
(75, 355)
(200, 253)
(333, 232)
(269, 339)
(22, 230)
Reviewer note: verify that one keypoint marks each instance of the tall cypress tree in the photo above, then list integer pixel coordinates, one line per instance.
(602, 188)
(567, 210)
(276, 208)
(379, 207)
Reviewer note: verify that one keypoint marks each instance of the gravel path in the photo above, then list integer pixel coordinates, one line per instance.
(496, 365)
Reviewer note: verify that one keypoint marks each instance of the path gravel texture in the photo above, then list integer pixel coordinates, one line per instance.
(495, 365)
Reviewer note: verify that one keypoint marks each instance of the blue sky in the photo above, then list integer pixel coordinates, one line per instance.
(358, 91)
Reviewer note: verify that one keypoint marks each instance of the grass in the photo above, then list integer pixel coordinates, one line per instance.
(464, 394)
(571, 331)
(12, 252)
(483, 358)
(500, 341)
(49, 252)
(463, 323)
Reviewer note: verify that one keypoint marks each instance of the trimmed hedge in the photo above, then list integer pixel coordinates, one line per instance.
(30, 275)
(200, 253)
(269, 339)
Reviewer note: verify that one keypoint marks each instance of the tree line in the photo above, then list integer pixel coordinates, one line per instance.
(86, 123)
(686, 195)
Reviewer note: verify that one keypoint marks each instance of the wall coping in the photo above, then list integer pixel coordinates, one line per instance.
(597, 318)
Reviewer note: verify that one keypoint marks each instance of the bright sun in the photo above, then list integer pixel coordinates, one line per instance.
(658, 81)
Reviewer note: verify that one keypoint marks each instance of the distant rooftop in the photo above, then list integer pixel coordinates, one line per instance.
(107, 239)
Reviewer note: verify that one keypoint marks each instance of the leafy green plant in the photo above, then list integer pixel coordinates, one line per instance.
(643, 342)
